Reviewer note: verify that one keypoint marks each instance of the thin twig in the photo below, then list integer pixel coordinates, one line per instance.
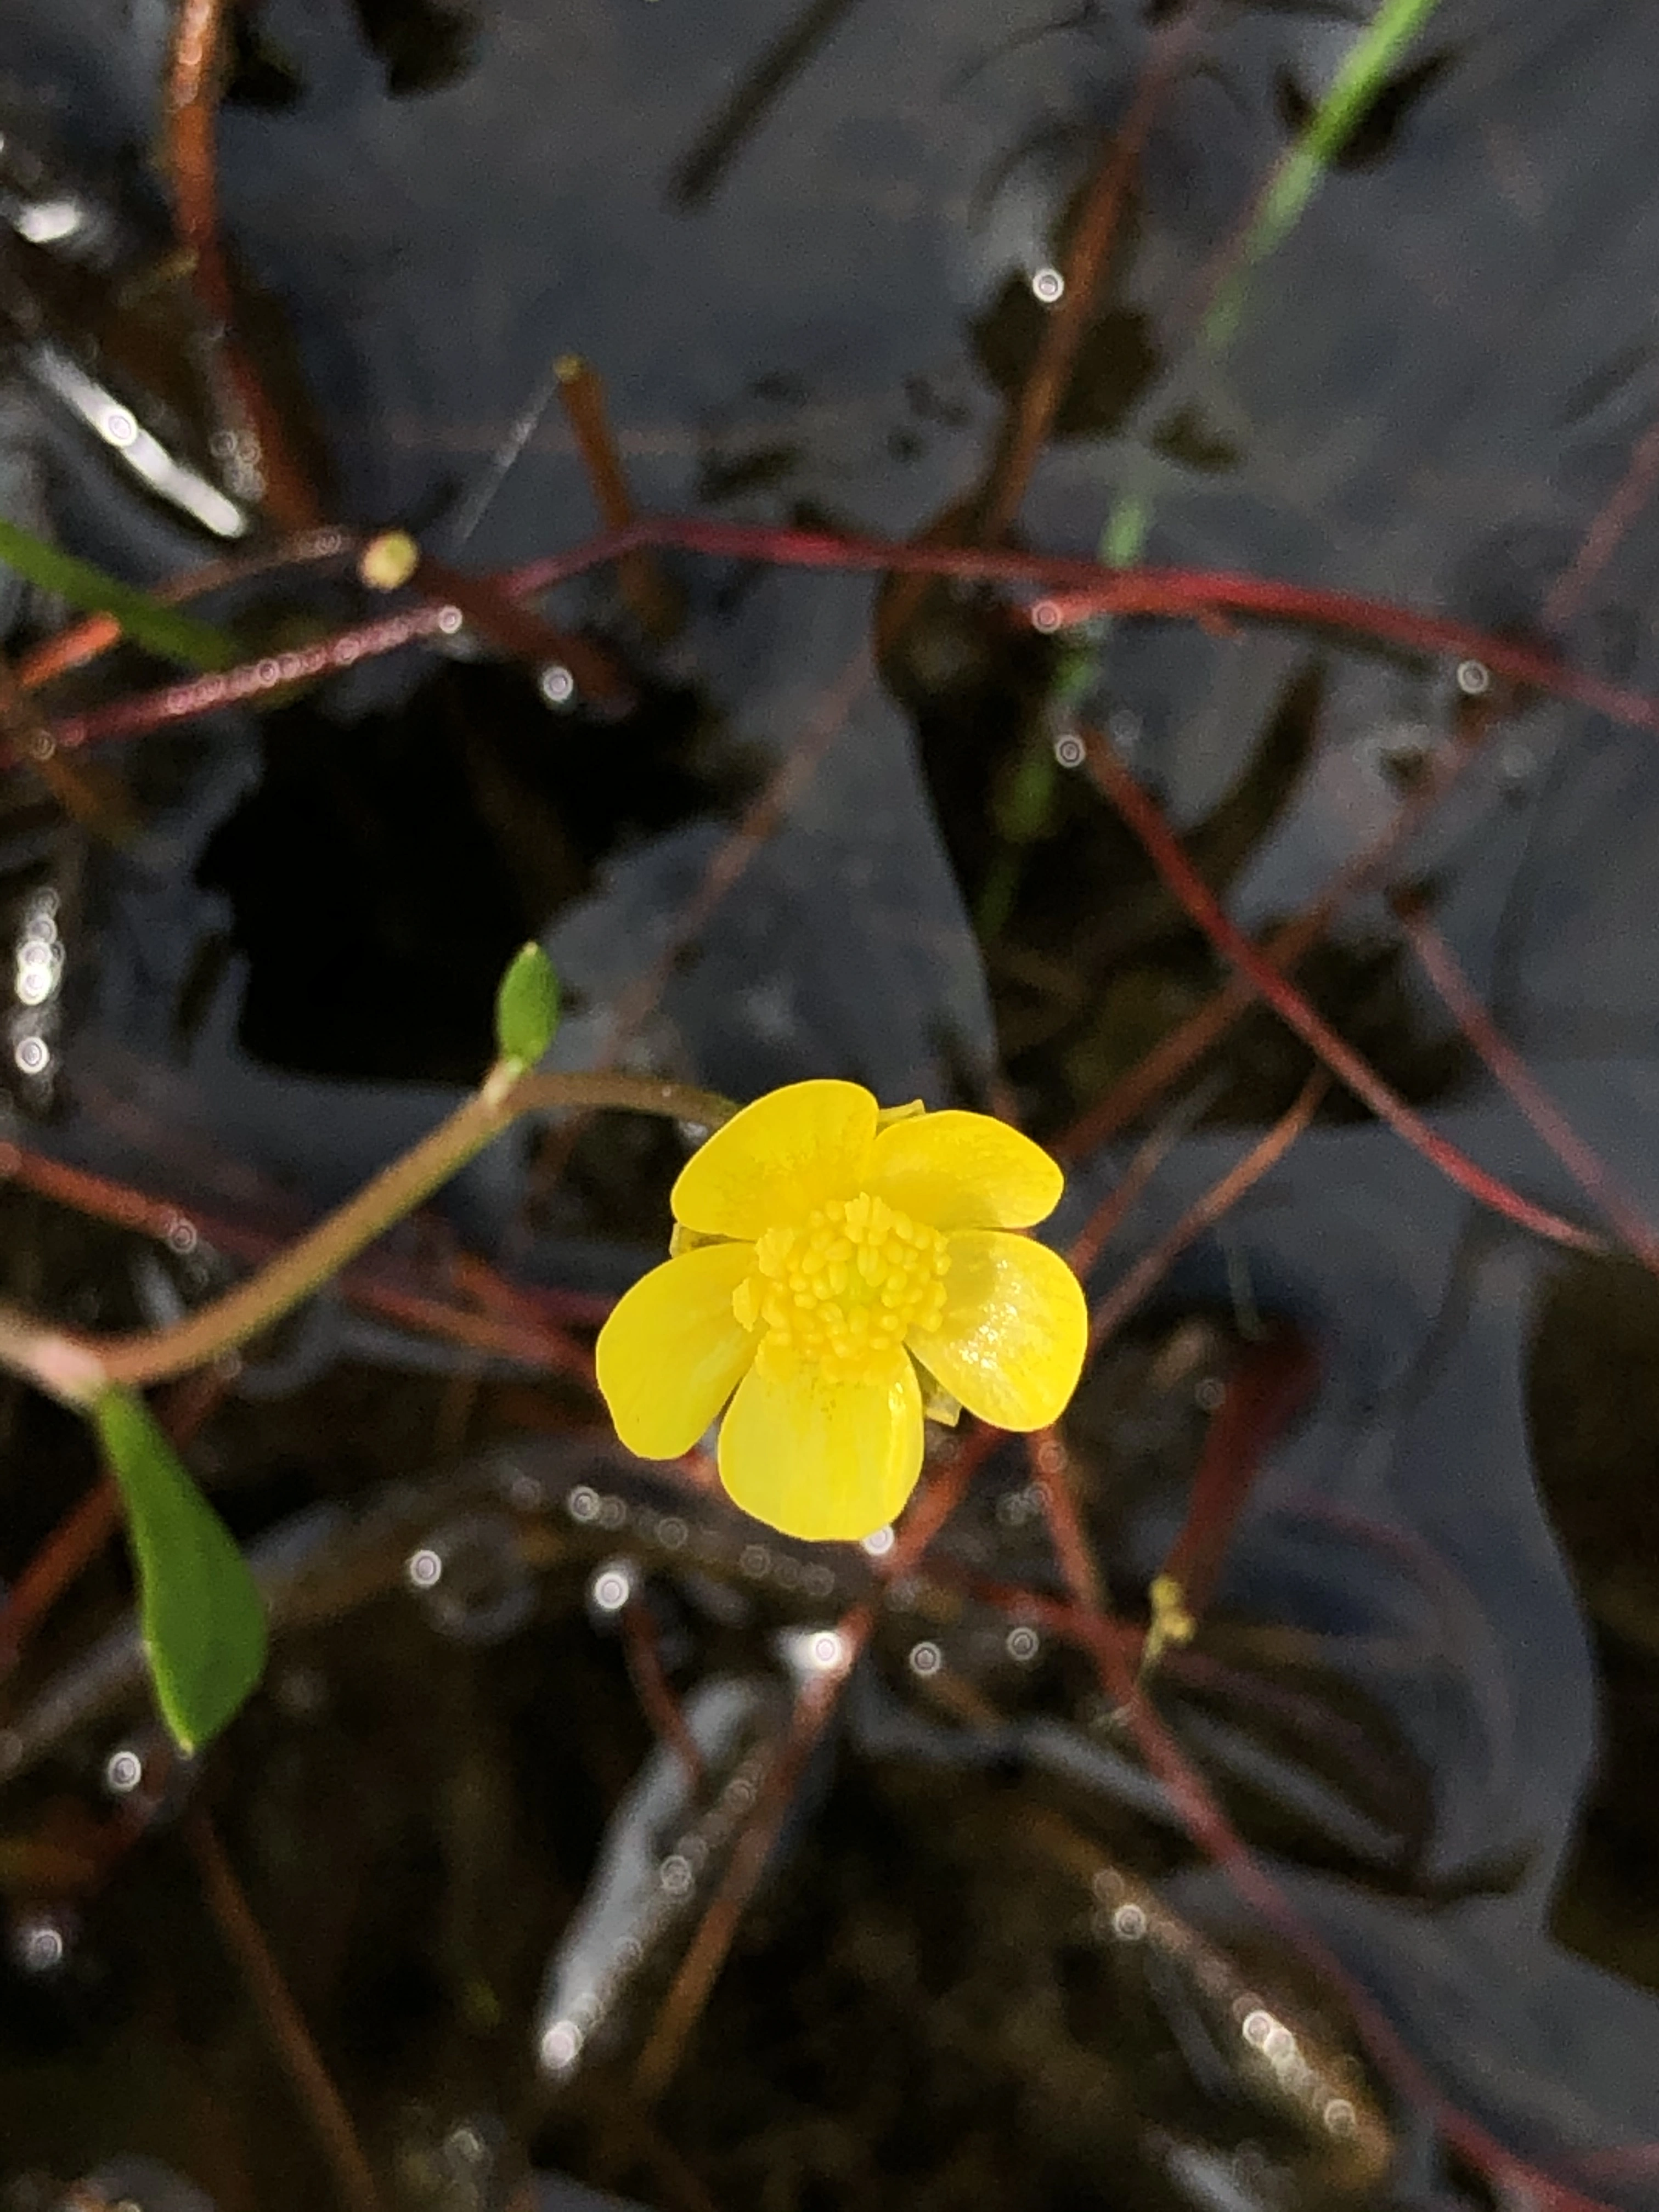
(656, 1693)
(689, 1992)
(522, 635)
(1173, 594)
(83, 641)
(1202, 908)
(1210, 1829)
(516, 1324)
(1285, 947)
(192, 95)
(1088, 254)
(291, 2039)
(1543, 1116)
(1115, 1308)
(645, 589)
(76, 1368)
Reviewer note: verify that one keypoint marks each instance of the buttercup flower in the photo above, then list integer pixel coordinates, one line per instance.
(833, 1266)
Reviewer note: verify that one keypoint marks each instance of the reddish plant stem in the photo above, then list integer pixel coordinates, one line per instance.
(71, 1548)
(1210, 1829)
(1171, 1058)
(521, 634)
(531, 1330)
(292, 2041)
(1203, 908)
(1055, 1479)
(1629, 496)
(1544, 1117)
(88, 1527)
(192, 95)
(656, 1693)
(1112, 1652)
(1088, 254)
(1189, 592)
(689, 1991)
(88, 792)
(1269, 1386)
(1177, 594)
(1104, 1224)
(644, 588)
(83, 641)
(815, 1707)
(1115, 1308)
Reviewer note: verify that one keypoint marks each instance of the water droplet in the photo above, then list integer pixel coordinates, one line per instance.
(611, 1586)
(879, 1543)
(1473, 679)
(424, 1569)
(1129, 1924)
(38, 1944)
(583, 1504)
(560, 2046)
(675, 1875)
(925, 1659)
(1068, 749)
(1048, 284)
(556, 684)
(1023, 1645)
(123, 1772)
(482, 1591)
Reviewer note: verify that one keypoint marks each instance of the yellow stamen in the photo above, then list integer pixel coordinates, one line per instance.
(841, 1290)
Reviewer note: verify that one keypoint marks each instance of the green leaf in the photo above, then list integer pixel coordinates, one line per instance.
(144, 620)
(203, 1620)
(526, 1007)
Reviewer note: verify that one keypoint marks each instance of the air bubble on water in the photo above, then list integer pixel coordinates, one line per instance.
(474, 1585)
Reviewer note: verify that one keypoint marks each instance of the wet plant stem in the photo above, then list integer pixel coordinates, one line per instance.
(302, 2063)
(76, 1370)
(1077, 587)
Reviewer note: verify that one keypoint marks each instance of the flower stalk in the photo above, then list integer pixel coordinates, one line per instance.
(75, 1368)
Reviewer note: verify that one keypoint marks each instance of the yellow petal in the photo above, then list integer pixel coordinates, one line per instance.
(818, 1459)
(772, 1163)
(1010, 1343)
(958, 1171)
(672, 1352)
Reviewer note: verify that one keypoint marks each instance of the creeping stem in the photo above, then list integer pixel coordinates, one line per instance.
(75, 1368)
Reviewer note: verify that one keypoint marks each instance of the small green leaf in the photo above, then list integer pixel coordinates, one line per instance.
(526, 1007)
(203, 1620)
(145, 620)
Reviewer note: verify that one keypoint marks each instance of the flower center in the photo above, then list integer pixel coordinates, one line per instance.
(842, 1290)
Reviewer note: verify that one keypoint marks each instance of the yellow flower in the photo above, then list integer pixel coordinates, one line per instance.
(825, 1251)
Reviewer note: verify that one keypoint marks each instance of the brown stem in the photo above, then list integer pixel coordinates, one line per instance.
(1205, 909)
(1088, 254)
(1152, 1265)
(653, 603)
(291, 2039)
(193, 98)
(75, 1368)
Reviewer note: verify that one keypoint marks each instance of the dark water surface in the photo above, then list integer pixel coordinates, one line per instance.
(801, 252)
